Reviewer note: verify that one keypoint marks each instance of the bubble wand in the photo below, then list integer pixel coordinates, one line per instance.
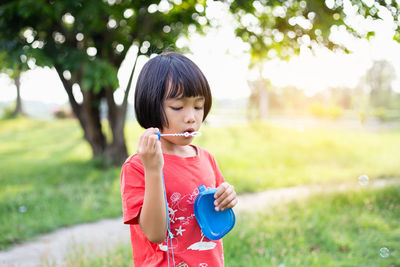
(185, 134)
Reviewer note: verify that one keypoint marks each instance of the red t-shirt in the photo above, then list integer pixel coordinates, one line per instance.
(182, 176)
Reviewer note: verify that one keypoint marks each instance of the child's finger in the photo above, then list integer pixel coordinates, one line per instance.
(225, 197)
(152, 141)
(231, 204)
(147, 136)
(158, 146)
(221, 189)
(228, 189)
(226, 201)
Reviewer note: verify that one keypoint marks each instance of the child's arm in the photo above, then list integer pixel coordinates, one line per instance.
(152, 218)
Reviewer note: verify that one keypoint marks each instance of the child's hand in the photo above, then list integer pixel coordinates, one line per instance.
(225, 197)
(149, 150)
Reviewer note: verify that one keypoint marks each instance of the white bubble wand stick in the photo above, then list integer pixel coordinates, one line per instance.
(185, 134)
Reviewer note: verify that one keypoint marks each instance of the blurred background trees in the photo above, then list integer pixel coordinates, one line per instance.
(281, 29)
(87, 41)
(13, 65)
(379, 79)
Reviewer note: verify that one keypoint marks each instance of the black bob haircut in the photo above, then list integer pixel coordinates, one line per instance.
(165, 76)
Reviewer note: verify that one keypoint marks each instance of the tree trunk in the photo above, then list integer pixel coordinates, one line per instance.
(116, 152)
(92, 123)
(18, 107)
(88, 114)
(263, 102)
(76, 107)
(259, 99)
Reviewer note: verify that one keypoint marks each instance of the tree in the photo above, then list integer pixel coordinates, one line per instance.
(86, 41)
(280, 29)
(14, 67)
(379, 78)
(259, 99)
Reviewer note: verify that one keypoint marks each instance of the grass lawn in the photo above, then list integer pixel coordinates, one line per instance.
(47, 179)
(346, 229)
(259, 156)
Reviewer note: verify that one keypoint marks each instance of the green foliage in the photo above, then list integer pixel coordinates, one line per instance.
(279, 28)
(58, 33)
(8, 113)
(12, 64)
(379, 79)
(88, 40)
(99, 74)
(384, 114)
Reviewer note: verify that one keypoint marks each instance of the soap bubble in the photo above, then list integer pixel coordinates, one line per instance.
(384, 252)
(22, 209)
(363, 180)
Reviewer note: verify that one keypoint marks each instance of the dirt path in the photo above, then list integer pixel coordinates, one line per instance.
(51, 249)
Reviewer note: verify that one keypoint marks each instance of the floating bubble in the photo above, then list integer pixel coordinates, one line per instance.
(384, 252)
(22, 209)
(363, 180)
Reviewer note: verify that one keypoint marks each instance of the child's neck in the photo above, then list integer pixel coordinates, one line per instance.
(181, 151)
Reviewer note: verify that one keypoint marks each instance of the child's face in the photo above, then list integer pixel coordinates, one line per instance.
(183, 114)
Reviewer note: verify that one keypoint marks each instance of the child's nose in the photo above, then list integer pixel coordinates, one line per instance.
(190, 116)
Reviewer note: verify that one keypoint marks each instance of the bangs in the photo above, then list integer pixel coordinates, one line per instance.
(186, 82)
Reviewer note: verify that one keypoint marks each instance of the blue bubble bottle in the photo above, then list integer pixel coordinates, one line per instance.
(213, 224)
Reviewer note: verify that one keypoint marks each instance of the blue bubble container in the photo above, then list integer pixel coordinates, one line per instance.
(213, 224)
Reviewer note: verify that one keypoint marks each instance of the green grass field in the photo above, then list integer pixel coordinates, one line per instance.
(346, 229)
(47, 179)
(260, 156)
(325, 230)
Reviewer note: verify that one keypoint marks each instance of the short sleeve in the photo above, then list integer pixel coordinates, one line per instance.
(132, 191)
(218, 174)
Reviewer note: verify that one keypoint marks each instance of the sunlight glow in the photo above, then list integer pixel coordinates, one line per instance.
(224, 58)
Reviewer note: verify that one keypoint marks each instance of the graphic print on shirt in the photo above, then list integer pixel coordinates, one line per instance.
(201, 245)
(183, 219)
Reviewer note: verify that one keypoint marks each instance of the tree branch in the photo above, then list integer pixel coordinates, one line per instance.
(128, 87)
(68, 88)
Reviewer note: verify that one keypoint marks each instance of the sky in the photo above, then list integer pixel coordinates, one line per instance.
(223, 59)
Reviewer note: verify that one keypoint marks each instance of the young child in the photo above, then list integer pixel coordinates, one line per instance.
(172, 96)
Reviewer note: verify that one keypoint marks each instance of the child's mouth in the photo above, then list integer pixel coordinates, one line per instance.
(188, 133)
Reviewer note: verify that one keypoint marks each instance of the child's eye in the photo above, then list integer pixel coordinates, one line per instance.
(199, 108)
(176, 108)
